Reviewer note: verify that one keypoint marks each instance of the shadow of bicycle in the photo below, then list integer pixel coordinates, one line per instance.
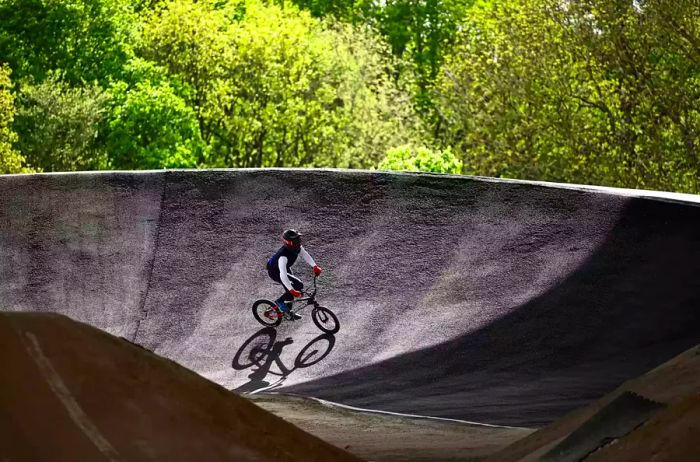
(262, 350)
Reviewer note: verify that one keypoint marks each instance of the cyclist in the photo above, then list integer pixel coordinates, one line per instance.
(279, 267)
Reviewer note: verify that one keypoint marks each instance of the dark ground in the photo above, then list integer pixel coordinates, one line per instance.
(70, 392)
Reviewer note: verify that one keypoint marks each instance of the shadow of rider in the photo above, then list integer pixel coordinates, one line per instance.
(261, 351)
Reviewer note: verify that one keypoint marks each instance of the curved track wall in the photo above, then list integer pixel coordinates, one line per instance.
(500, 302)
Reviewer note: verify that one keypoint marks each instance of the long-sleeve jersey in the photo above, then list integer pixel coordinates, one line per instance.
(280, 264)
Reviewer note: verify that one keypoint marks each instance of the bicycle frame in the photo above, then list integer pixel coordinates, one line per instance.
(310, 299)
(272, 315)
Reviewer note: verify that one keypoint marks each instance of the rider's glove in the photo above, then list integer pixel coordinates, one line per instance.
(317, 270)
(295, 293)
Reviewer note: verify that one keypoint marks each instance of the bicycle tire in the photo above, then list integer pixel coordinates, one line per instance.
(325, 320)
(260, 310)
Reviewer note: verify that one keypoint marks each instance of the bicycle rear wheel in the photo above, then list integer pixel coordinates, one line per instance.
(325, 319)
(266, 313)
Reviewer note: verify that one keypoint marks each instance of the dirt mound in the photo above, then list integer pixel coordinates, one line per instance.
(72, 392)
(619, 418)
(672, 435)
(640, 413)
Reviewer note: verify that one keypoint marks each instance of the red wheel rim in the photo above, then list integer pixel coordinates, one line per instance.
(270, 314)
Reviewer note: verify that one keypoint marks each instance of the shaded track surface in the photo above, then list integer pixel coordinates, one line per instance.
(499, 302)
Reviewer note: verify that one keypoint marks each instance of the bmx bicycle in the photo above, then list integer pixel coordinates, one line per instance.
(268, 314)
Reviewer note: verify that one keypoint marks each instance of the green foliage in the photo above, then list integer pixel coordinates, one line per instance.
(424, 30)
(420, 31)
(59, 125)
(86, 39)
(10, 160)
(588, 92)
(354, 11)
(420, 159)
(151, 127)
(593, 91)
(273, 87)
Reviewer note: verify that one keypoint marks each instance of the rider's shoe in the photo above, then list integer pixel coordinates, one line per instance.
(282, 308)
(292, 316)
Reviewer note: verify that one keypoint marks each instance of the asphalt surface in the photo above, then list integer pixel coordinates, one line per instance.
(498, 302)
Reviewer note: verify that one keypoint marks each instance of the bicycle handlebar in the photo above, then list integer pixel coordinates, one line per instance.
(306, 292)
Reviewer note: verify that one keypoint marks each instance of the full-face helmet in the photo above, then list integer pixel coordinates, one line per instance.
(292, 239)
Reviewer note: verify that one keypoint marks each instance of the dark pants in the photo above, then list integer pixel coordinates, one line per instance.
(286, 296)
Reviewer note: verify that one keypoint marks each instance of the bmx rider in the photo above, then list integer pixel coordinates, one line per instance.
(279, 268)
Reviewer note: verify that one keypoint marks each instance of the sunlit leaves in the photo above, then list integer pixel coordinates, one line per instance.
(588, 92)
(10, 160)
(420, 159)
(84, 39)
(276, 87)
(150, 127)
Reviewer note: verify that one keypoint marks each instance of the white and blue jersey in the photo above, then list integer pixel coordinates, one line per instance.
(279, 266)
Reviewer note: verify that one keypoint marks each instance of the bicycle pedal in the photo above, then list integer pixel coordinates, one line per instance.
(291, 317)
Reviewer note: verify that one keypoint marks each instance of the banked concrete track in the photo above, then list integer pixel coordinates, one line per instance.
(498, 302)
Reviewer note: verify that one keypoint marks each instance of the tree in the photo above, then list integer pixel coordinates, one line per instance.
(10, 160)
(588, 92)
(423, 30)
(59, 125)
(274, 87)
(351, 11)
(150, 126)
(419, 31)
(86, 39)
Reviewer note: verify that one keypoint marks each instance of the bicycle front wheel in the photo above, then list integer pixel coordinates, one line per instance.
(325, 320)
(266, 313)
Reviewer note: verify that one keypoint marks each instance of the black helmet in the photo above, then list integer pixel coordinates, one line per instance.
(292, 238)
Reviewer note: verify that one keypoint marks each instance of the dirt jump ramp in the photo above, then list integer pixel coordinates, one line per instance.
(70, 392)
